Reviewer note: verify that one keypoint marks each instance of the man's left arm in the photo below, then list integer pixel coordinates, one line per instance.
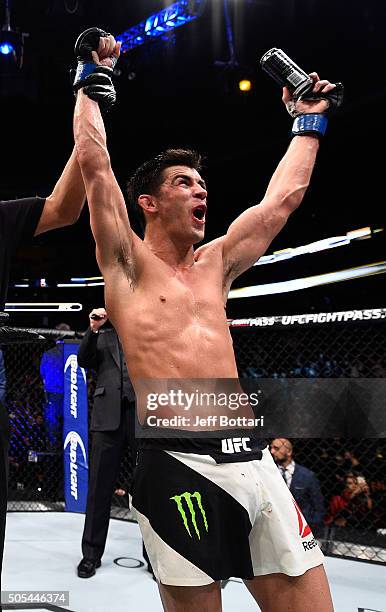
(65, 203)
(249, 236)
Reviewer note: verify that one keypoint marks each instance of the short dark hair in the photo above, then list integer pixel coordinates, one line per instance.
(148, 177)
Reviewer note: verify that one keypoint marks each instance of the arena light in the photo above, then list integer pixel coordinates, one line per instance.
(6, 48)
(11, 43)
(159, 24)
(91, 284)
(316, 247)
(307, 282)
(42, 307)
(245, 85)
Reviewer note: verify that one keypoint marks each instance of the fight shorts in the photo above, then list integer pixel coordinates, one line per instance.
(204, 517)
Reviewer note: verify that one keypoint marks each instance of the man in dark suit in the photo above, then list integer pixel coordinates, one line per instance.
(112, 424)
(302, 482)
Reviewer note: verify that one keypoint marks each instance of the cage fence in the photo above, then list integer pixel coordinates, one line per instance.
(350, 468)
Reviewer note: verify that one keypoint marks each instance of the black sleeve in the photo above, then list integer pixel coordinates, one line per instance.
(18, 222)
(87, 352)
(20, 219)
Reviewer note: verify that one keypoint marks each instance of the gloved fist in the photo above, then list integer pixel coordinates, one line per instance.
(97, 53)
(100, 87)
(311, 109)
(323, 98)
(87, 42)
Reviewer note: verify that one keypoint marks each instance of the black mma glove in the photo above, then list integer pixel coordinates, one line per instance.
(96, 81)
(315, 124)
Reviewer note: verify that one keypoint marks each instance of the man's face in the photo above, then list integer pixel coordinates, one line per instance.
(279, 450)
(181, 201)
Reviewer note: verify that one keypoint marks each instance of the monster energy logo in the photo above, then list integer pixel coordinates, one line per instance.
(188, 497)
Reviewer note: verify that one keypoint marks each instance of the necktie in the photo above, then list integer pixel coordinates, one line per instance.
(285, 475)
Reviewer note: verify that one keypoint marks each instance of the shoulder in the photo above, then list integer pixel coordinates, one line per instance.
(23, 214)
(304, 471)
(212, 248)
(10, 206)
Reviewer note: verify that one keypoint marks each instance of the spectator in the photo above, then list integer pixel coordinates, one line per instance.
(38, 435)
(302, 482)
(353, 507)
(3, 379)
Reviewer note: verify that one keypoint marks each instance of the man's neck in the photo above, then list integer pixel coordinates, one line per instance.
(176, 254)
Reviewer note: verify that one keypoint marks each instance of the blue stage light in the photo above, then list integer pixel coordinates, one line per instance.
(6, 48)
(174, 16)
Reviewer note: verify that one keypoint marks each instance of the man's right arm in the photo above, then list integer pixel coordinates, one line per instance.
(88, 350)
(108, 215)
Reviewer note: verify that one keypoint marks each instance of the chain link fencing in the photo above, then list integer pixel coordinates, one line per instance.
(35, 415)
(351, 470)
(349, 349)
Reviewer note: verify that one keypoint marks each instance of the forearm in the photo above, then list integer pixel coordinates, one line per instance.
(292, 176)
(65, 203)
(69, 192)
(90, 138)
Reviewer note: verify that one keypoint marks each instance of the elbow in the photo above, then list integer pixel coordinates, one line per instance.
(63, 210)
(293, 197)
(70, 217)
(92, 161)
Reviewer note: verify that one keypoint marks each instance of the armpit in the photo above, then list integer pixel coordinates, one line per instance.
(231, 270)
(126, 261)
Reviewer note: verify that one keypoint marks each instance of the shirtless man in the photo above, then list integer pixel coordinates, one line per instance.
(204, 515)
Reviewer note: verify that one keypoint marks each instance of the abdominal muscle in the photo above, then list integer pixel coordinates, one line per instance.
(170, 331)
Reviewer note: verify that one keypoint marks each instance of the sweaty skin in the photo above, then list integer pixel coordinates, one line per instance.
(172, 321)
(169, 307)
(166, 300)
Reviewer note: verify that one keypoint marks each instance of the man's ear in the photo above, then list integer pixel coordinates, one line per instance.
(148, 203)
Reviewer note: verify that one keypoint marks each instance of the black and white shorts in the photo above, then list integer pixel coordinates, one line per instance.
(203, 521)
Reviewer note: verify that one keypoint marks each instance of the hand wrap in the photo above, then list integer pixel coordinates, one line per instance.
(95, 80)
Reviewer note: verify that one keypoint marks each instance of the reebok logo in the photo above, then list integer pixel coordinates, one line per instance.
(304, 528)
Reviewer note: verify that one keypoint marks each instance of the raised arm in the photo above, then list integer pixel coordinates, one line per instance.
(65, 203)
(108, 215)
(252, 232)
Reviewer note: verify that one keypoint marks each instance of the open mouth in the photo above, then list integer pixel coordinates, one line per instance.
(198, 213)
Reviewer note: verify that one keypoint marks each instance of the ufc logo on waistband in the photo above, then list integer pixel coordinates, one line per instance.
(235, 445)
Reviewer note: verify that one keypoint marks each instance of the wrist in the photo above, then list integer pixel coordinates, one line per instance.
(310, 124)
(85, 70)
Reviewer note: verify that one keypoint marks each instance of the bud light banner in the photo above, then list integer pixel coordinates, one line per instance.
(75, 430)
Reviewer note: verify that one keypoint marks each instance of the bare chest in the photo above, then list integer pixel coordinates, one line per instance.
(192, 291)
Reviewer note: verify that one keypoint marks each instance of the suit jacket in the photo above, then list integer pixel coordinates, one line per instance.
(305, 488)
(101, 352)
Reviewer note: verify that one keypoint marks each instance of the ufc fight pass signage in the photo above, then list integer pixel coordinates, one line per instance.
(75, 431)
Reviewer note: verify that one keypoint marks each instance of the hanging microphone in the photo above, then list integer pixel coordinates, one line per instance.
(285, 72)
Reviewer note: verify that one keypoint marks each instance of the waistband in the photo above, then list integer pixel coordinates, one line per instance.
(222, 449)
